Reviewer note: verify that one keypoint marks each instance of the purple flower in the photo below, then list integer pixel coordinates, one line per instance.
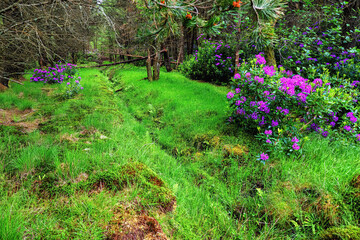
(274, 123)
(301, 45)
(230, 95)
(264, 156)
(268, 132)
(254, 115)
(268, 140)
(294, 140)
(353, 119)
(248, 75)
(237, 90)
(350, 114)
(295, 146)
(269, 70)
(358, 137)
(237, 76)
(285, 111)
(318, 82)
(259, 79)
(67, 83)
(325, 133)
(240, 111)
(347, 128)
(260, 59)
(332, 124)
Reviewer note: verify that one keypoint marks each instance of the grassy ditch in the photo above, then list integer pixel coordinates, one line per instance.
(129, 158)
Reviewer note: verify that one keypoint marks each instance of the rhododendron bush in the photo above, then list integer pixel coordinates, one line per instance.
(61, 73)
(283, 107)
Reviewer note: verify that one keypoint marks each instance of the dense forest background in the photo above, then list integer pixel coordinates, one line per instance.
(45, 32)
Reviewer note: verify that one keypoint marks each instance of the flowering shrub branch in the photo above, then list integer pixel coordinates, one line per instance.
(281, 106)
(60, 73)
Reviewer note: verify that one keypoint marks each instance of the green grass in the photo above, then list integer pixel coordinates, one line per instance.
(174, 131)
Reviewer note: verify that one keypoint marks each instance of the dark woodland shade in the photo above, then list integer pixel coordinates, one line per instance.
(44, 32)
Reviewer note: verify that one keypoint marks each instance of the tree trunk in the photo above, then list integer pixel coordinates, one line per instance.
(167, 61)
(4, 81)
(156, 66)
(193, 37)
(148, 67)
(237, 53)
(181, 47)
(270, 56)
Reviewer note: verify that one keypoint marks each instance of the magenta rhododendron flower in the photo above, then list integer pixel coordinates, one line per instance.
(230, 95)
(264, 156)
(295, 146)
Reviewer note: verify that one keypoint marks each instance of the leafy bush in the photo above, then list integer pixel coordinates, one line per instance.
(60, 73)
(213, 62)
(72, 88)
(282, 106)
(321, 45)
(57, 74)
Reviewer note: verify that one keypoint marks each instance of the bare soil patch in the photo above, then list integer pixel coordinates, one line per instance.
(18, 118)
(2, 88)
(126, 226)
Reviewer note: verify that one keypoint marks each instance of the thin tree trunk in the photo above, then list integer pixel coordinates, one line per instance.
(156, 66)
(181, 47)
(167, 61)
(148, 67)
(270, 56)
(193, 37)
(237, 53)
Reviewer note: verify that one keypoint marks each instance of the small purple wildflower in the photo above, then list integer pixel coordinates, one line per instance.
(274, 123)
(347, 128)
(295, 146)
(264, 156)
(268, 132)
(230, 95)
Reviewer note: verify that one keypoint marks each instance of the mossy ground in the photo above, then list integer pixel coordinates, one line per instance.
(129, 158)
